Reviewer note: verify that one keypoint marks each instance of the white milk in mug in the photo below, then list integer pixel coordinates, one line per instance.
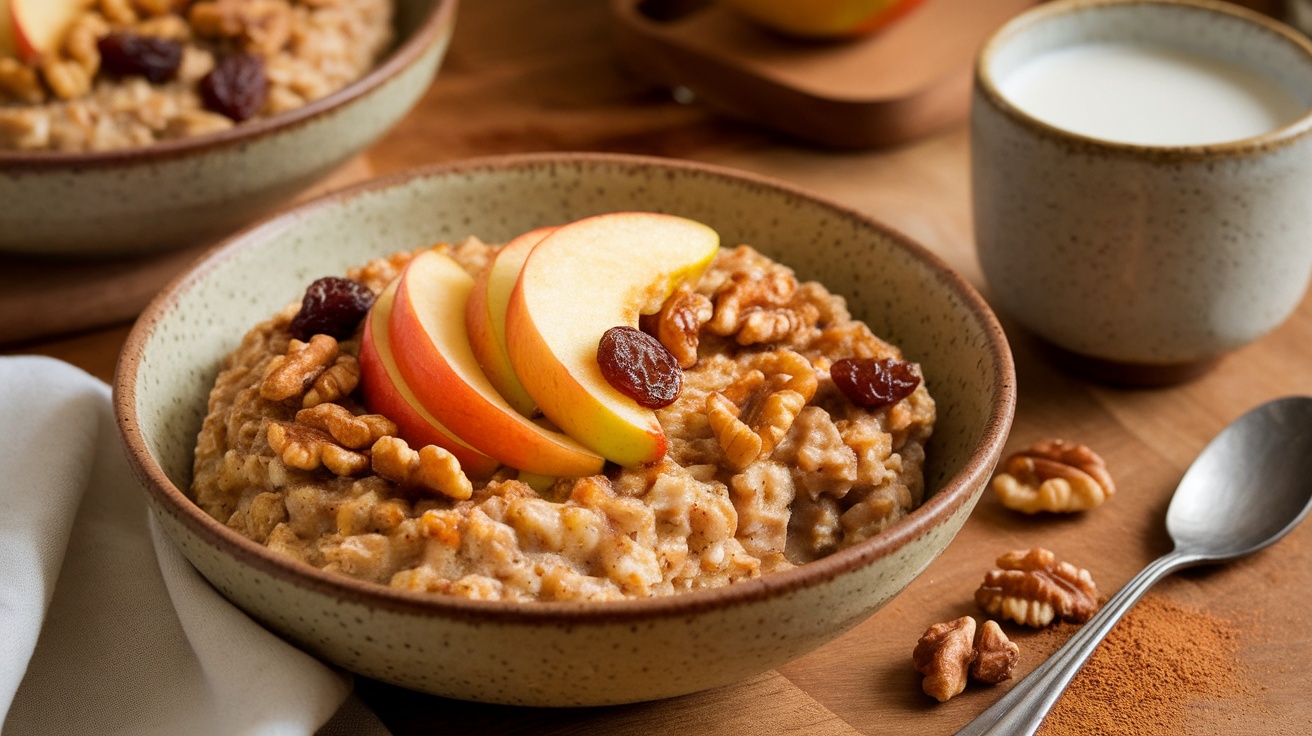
(1148, 95)
(1142, 180)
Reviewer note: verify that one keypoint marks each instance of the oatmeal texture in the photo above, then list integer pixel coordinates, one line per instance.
(769, 465)
(78, 97)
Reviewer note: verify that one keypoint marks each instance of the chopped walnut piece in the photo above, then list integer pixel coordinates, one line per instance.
(758, 308)
(81, 41)
(20, 81)
(306, 448)
(997, 654)
(342, 461)
(349, 430)
(679, 324)
(774, 325)
(66, 78)
(1034, 588)
(944, 655)
(196, 122)
(119, 12)
(339, 380)
(292, 374)
(751, 415)
(259, 26)
(157, 7)
(747, 291)
(1055, 476)
(432, 468)
(740, 444)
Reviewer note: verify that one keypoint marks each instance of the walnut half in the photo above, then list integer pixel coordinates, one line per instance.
(1055, 476)
(950, 653)
(1034, 588)
(944, 655)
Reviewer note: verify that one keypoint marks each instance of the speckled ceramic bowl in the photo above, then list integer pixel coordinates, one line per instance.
(179, 193)
(1143, 263)
(565, 653)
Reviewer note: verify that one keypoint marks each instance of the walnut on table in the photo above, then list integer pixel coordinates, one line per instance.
(997, 655)
(1034, 588)
(950, 653)
(944, 655)
(1055, 476)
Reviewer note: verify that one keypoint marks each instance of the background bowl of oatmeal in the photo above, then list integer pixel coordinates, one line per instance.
(566, 653)
(130, 166)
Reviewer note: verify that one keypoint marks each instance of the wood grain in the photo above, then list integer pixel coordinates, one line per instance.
(537, 75)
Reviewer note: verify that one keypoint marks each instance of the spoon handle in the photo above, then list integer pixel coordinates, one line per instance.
(1020, 711)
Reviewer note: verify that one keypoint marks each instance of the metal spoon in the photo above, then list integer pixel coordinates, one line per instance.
(1251, 485)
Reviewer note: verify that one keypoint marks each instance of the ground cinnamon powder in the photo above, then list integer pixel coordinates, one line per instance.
(1158, 660)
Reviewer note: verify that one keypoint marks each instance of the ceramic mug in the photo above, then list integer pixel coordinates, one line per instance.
(1140, 261)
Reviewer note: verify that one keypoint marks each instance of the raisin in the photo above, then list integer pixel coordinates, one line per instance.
(236, 87)
(873, 383)
(127, 54)
(332, 306)
(639, 367)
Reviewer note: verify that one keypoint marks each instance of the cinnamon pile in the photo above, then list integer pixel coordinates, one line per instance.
(1141, 680)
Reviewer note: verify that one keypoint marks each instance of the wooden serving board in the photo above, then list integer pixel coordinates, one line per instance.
(911, 79)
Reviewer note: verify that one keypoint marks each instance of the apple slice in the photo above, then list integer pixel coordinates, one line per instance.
(38, 26)
(433, 354)
(580, 281)
(385, 393)
(485, 317)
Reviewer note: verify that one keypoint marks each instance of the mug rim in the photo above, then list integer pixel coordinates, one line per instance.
(986, 86)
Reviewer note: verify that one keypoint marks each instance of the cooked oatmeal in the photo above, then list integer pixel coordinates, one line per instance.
(821, 473)
(129, 73)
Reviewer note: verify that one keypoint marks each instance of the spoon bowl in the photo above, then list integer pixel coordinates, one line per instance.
(1249, 487)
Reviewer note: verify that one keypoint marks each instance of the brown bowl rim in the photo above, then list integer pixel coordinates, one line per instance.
(947, 501)
(431, 30)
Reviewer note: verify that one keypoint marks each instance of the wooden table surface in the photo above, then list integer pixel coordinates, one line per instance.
(540, 75)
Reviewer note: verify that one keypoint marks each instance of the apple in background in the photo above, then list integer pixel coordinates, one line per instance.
(485, 317)
(38, 26)
(821, 19)
(385, 393)
(580, 281)
(434, 356)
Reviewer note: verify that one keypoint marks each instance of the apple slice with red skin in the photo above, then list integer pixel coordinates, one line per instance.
(387, 394)
(38, 26)
(432, 350)
(581, 280)
(485, 317)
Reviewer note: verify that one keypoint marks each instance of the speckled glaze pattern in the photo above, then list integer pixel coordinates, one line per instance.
(565, 653)
(179, 193)
(1141, 255)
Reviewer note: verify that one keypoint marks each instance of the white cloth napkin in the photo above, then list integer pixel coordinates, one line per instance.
(105, 628)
